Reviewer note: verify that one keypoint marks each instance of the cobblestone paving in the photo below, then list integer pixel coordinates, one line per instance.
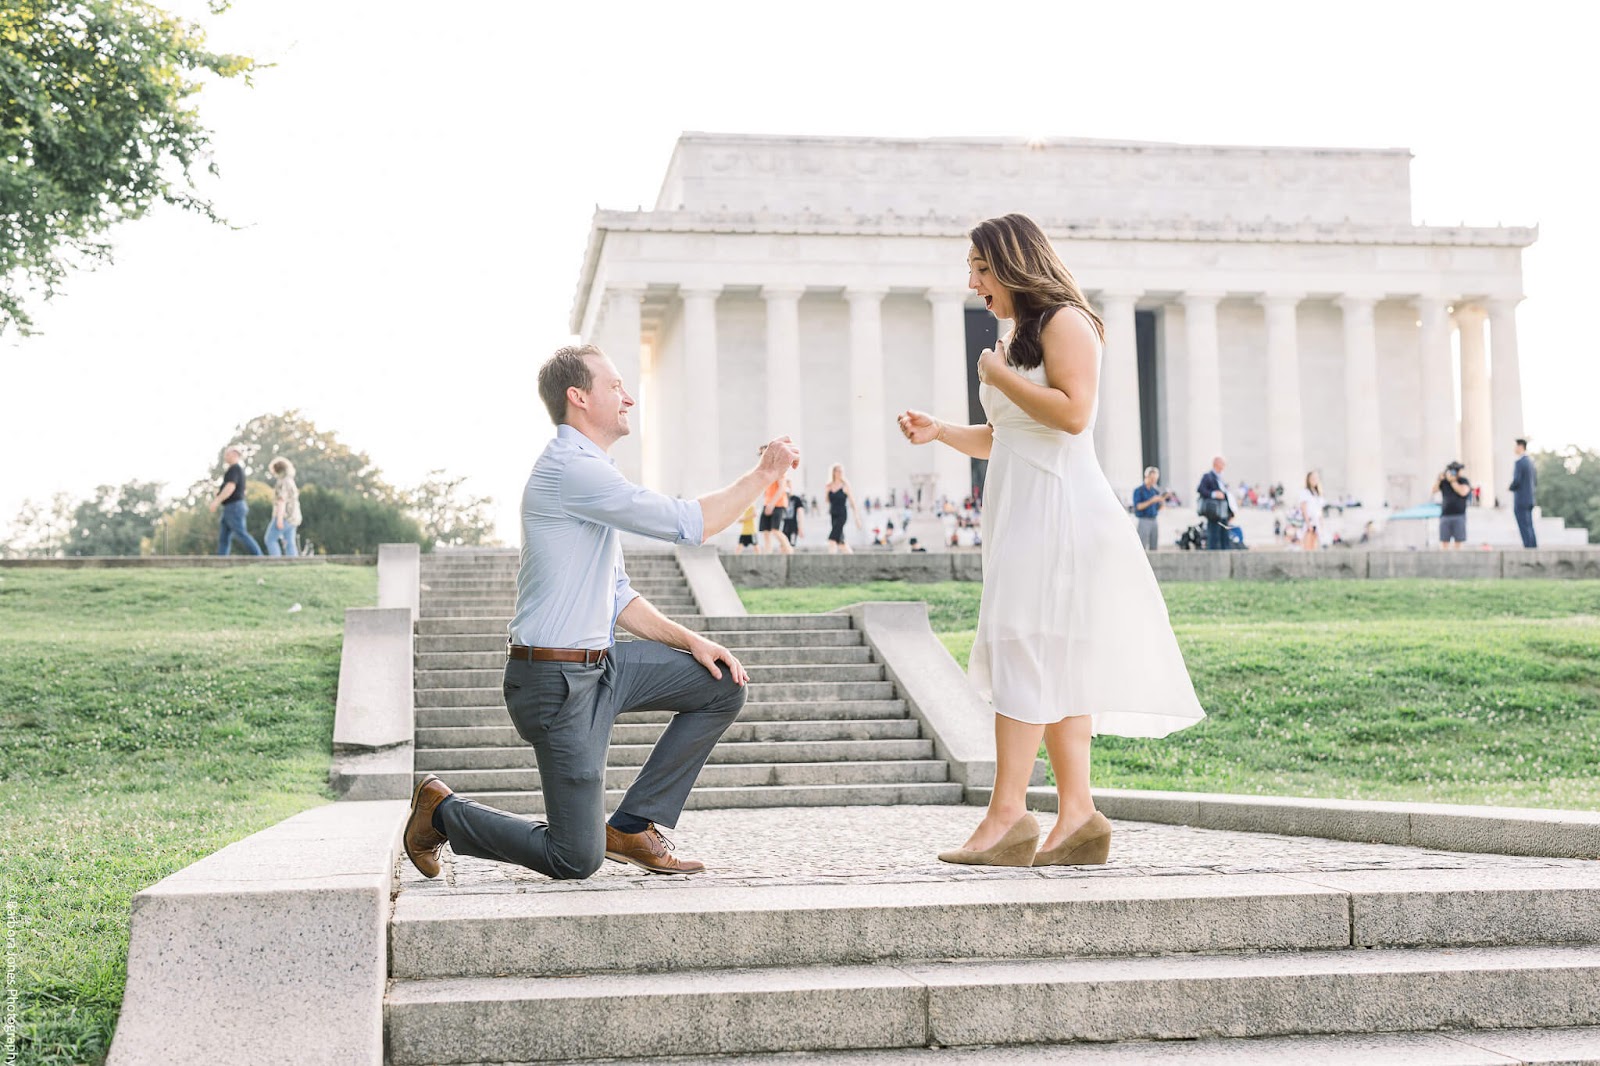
(896, 845)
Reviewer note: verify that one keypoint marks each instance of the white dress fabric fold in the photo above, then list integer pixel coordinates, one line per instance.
(1071, 620)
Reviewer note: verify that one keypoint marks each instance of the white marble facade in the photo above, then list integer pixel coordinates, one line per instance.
(816, 285)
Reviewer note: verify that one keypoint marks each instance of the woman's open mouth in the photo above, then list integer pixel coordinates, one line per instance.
(988, 301)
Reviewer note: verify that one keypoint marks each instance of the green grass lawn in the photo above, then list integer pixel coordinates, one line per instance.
(1446, 691)
(147, 718)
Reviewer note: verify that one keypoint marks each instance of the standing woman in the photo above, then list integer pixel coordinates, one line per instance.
(840, 504)
(1311, 510)
(285, 510)
(1070, 608)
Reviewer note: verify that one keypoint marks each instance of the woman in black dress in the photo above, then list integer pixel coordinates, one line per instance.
(840, 503)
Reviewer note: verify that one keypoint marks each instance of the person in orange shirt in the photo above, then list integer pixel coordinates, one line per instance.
(774, 501)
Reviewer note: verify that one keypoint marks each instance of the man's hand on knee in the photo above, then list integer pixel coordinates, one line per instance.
(708, 653)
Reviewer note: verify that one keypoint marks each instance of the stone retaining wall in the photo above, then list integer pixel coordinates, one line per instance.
(157, 562)
(820, 568)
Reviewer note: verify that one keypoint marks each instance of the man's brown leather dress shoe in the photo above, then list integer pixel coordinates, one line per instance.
(423, 841)
(648, 850)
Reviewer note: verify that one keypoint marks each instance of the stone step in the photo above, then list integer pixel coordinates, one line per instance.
(483, 677)
(930, 793)
(738, 733)
(711, 626)
(735, 641)
(667, 605)
(495, 658)
(759, 692)
(508, 589)
(451, 608)
(511, 564)
(442, 717)
(520, 756)
(766, 622)
(506, 597)
(966, 1003)
(723, 775)
(484, 625)
(1569, 1046)
(729, 925)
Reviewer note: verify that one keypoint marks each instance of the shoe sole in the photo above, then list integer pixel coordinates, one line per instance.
(1092, 852)
(619, 857)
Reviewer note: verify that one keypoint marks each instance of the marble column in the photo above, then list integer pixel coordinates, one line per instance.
(1122, 451)
(784, 407)
(948, 369)
(869, 419)
(1440, 440)
(1505, 391)
(1477, 447)
(1286, 456)
(701, 461)
(1363, 441)
(622, 341)
(1205, 387)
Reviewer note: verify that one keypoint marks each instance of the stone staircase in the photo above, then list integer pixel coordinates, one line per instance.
(821, 725)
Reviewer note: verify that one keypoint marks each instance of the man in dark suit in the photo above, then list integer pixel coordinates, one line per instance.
(1522, 484)
(1210, 488)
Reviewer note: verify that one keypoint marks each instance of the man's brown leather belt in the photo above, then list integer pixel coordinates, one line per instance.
(556, 655)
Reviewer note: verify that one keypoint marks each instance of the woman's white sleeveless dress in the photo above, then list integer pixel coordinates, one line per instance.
(1071, 621)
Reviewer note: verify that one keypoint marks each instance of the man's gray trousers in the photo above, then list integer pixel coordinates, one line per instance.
(566, 710)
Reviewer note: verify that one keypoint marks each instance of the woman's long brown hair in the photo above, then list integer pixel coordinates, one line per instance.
(1021, 259)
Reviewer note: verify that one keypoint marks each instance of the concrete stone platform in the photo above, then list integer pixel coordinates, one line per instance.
(898, 845)
(831, 930)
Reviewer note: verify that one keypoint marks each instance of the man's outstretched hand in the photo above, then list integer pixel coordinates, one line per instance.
(779, 456)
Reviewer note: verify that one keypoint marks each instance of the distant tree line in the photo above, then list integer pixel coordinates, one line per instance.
(1569, 487)
(346, 505)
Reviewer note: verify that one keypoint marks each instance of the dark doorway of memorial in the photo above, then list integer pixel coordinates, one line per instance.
(1146, 331)
(983, 329)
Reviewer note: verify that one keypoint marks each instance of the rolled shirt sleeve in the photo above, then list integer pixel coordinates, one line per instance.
(624, 590)
(594, 490)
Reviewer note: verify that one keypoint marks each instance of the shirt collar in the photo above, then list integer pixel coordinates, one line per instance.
(584, 444)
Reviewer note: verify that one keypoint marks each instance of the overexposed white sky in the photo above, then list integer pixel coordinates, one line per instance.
(414, 182)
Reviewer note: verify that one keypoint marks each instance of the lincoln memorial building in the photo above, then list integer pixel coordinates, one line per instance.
(1274, 305)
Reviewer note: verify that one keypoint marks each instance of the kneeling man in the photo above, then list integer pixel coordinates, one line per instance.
(567, 679)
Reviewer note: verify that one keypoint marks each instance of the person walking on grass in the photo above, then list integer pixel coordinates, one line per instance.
(285, 510)
(1070, 609)
(230, 498)
(567, 679)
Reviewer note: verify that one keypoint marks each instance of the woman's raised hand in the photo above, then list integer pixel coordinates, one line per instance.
(991, 361)
(919, 427)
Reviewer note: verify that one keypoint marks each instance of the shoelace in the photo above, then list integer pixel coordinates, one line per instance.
(666, 844)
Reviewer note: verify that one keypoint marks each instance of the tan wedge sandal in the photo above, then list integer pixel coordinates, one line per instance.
(1016, 848)
(1088, 845)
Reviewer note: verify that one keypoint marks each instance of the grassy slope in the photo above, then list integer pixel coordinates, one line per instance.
(147, 718)
(1450, 691)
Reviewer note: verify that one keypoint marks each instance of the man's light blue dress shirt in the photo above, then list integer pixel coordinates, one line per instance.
(572, 585)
